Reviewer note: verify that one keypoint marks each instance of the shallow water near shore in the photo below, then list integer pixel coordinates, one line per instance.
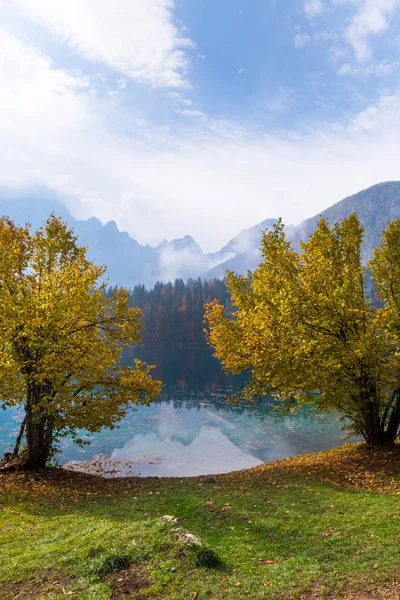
(193, 429)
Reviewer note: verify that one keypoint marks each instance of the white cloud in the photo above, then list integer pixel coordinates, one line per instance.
(181, 263)
(300, 40)
(337, 53)
(192, 113)
(380, 116)
(345, 69)
(370, 19)
(383, 68)
(326, 36)
(281, 102)
(179, 99)
(137, 38)
(352, 37)
(41, 103)
(312, 8)
(211, 179)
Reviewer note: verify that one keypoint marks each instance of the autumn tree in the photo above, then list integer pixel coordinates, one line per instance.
(61, 340)
(307, 331)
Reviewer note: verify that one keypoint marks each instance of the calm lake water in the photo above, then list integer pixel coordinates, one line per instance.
(192, 429)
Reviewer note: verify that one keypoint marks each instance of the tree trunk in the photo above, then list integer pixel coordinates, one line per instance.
(381, 438)
(19, 439)
(37, 432)
(379, 424)
(385, 431)
(394, 421)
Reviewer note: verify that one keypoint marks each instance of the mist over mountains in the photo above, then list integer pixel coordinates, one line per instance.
(374, 206)
(130, 263)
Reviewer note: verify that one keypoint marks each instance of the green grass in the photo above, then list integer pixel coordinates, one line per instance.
(273, 530)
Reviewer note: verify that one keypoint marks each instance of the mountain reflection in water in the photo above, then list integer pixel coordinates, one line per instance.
(192, 429)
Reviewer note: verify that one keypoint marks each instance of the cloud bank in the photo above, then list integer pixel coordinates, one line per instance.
(205, 176)
(370, 19)
(133, 37)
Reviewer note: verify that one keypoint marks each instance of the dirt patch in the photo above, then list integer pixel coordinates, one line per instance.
(129, 583)
(359, 590)
(44, 584)
(126, 584)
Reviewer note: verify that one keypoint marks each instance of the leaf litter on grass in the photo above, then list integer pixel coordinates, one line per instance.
(265, 505)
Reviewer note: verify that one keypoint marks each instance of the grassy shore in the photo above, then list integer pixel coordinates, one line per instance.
(316, 526)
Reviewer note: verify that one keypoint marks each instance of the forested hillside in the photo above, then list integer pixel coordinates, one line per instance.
(174, 312)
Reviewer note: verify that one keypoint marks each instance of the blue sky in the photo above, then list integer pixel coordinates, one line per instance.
(198, 116)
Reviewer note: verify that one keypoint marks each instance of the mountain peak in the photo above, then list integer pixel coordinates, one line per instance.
(185, 243)
(374, 206)
(130, 263)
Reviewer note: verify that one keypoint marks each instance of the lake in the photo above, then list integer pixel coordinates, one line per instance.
(193, 429)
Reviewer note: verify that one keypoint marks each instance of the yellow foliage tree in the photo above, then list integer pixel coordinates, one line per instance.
(61, 339)
(308, 331)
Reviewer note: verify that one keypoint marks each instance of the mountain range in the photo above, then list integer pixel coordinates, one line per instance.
(130, 263)
(374, 206)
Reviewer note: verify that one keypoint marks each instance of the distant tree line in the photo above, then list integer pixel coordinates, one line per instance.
(174, 312)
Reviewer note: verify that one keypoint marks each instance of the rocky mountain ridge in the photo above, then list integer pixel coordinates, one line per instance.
(130, 263)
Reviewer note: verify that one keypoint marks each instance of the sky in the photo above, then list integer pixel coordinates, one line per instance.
(200, 117)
